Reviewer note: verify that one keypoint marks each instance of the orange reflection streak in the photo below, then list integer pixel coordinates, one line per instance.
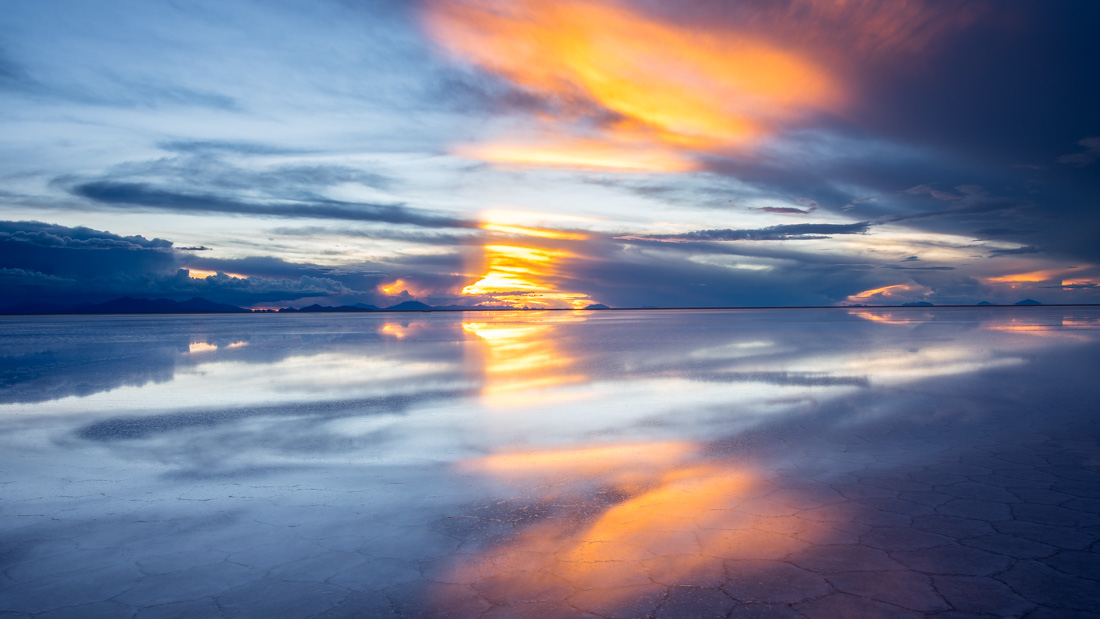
(1016, 325)
(679, 521)
(201, 347)
(587, 460)
(520, 358)
(886, 318)
(401, 330)
(671, 85)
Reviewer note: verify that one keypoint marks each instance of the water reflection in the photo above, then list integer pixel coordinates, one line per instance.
(522, 356)
(611, 454)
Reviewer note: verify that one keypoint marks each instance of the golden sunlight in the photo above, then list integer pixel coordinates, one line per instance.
(526, 275)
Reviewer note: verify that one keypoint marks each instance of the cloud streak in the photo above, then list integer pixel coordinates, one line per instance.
(786, 232)
(122, 195)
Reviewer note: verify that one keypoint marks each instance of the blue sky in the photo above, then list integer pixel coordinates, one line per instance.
(550, 154)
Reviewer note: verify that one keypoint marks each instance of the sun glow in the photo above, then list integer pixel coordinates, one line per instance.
(536, 232)
(526, 275)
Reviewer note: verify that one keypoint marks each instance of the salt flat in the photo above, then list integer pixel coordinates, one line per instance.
(740, 463)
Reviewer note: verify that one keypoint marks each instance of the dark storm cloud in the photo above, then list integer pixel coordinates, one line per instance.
(79, 237)
(141, 195)
(928, 126)
(785, 232)
(48, 264)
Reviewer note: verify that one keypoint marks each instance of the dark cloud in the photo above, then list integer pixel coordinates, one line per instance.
(901, 268)
(141, 195)
(260, 266)
(1030, 249)
(1080, 286)
(784, 209)
(39, 233)
(57, 265)
(786, 232)
(931, 191)
(226, 146)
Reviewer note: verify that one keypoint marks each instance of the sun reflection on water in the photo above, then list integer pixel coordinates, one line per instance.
(521, 356)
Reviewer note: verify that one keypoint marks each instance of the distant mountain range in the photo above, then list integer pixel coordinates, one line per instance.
(198, 305)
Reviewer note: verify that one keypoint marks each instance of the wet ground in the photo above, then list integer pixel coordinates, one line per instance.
(781, 463)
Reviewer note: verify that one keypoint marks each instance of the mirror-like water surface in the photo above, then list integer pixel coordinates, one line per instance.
(498, 464)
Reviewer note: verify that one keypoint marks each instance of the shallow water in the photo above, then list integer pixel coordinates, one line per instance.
(617, 463)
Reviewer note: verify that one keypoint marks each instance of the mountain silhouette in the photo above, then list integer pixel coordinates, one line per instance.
(410, 305)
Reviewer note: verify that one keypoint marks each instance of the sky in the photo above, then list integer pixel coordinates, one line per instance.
(538, 154)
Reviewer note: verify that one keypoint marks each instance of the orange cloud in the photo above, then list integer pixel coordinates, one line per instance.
(202, 274)
(581, 154)
(630, 90)
(669, 86)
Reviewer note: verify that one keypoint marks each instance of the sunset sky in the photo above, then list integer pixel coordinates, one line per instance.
(550, 154)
